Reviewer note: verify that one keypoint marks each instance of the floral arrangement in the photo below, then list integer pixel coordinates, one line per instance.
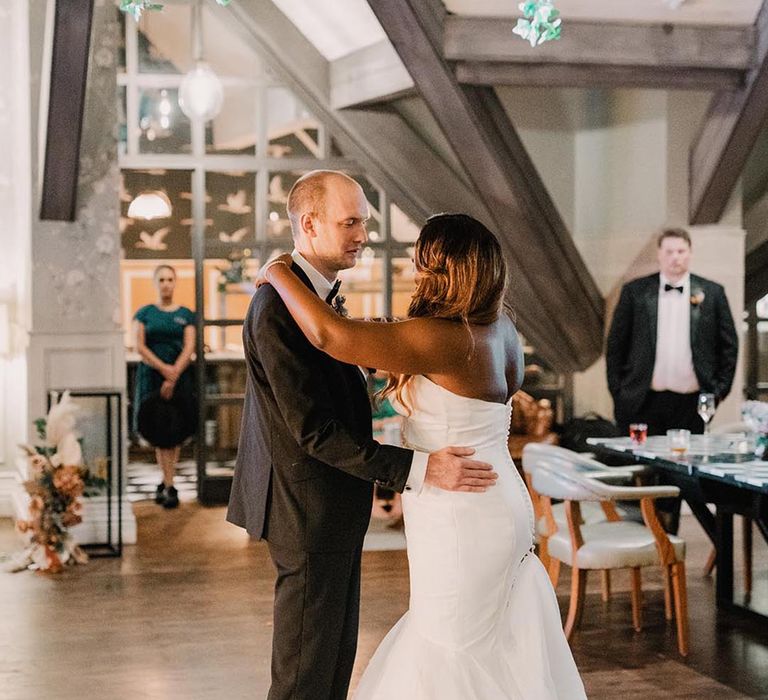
(540, 22)
(755, 415)
(136, 7)
(57, 480)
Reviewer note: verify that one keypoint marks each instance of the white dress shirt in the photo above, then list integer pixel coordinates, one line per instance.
(322, 286)
(673, 368)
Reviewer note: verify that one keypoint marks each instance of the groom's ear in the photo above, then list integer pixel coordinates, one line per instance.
(308, 225)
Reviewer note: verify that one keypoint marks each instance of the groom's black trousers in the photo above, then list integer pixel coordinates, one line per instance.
(317, 605)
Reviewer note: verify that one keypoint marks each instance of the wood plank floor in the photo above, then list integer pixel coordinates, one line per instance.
(186, 614)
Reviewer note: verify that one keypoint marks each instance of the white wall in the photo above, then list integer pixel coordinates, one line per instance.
(15, 193)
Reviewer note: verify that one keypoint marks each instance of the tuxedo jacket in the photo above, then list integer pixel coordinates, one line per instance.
(631, 346)
(306, 459)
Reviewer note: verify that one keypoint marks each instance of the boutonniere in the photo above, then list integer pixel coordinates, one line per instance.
(338, 305)
(697, 297)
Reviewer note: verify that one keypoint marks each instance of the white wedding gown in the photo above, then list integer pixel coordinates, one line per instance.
(483, 622)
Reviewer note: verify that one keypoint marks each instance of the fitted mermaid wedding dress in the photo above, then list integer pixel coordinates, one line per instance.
(483, 621)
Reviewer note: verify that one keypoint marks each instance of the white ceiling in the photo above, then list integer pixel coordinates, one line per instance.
(339, 27)
(335, 27)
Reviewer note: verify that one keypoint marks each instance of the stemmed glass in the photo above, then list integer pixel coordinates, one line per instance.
(706, 409)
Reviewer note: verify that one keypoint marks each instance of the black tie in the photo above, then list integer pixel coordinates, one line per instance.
(669, 288)
(335, 290)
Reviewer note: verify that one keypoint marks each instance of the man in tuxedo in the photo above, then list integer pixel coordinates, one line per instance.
(307, 461)
(672, 337)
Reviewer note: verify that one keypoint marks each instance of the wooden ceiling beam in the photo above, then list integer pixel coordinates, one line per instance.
(598, 76)
(490, 39)
(549, 277)
(729, 131)
(66, 102)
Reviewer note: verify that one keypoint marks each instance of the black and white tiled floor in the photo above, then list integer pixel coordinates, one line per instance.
(143, 478)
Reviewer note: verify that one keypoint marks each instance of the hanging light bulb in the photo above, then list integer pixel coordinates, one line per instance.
(201, 93)
(150, 205)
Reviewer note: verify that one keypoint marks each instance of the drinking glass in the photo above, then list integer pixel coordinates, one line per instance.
(706, 409)
(638, 432)
(679, 441)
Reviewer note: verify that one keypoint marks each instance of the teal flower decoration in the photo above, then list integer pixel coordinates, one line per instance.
(540, 22)
(136, 7)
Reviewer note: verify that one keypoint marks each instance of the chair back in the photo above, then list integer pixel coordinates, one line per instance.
(534, 452)
(552, 480)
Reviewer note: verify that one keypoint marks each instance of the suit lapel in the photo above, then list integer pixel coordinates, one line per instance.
(696, 291)
(652, 306)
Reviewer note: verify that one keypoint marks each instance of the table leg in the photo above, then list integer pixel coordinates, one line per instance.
(724, 547)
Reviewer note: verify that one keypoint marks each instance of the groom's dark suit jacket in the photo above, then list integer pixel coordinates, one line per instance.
(307, 460)
(631, 346)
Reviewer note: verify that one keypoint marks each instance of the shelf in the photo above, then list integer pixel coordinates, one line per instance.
(223, 399)
(223, 321)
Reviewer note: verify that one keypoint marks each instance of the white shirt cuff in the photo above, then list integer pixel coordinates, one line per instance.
(418, 473)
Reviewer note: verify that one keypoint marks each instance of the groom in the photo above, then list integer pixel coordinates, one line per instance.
(307, 461)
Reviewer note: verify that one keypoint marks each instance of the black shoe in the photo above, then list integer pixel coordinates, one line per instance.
(160, 494)
(171, 498)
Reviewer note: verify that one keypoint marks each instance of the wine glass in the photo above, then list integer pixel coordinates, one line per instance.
(706, 409)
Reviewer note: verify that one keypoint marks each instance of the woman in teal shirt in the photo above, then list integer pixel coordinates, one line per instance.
(165, 339)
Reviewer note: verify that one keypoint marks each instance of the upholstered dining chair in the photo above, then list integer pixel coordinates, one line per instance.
(591, 513)
(613, 544)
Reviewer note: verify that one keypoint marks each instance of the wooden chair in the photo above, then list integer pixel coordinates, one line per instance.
(591, 513)
(613, 544)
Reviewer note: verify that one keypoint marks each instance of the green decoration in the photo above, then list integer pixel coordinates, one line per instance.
(540, 22)
(136, 7)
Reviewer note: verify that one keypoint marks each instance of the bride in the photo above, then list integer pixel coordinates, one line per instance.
(483, 621)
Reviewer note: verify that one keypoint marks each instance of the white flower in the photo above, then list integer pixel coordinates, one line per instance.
(68, 452)
(61, 420)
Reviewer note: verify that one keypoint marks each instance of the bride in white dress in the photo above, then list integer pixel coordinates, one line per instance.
(483, 622)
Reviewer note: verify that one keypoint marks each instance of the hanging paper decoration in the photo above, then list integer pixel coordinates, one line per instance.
(540, 22)
(136, 7)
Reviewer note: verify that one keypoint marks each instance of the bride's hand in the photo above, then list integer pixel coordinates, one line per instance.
(261, 276)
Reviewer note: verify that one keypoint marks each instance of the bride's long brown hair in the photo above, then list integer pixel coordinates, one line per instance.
(462, 277)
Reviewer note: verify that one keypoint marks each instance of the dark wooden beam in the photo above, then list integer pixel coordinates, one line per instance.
(490, 39)
(69, 71)
(552, 285)
(602, 76)
(756, 274)
(730, 129)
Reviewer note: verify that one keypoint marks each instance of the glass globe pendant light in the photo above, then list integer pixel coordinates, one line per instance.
(201, 94)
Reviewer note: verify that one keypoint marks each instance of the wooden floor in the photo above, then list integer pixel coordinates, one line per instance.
(186, 614)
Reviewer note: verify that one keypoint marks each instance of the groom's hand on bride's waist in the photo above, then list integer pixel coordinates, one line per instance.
(452, 470)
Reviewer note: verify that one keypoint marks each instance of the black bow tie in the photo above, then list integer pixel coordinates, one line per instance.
(670, 287)
(335, 290)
